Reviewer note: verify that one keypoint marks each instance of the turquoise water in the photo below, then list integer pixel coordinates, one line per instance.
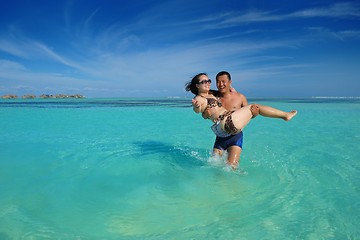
(142, 169)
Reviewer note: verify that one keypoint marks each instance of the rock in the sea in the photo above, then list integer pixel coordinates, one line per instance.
(9, 96)
(28, 96)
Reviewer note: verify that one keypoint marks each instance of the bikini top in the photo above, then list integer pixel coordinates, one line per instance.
(212, 102)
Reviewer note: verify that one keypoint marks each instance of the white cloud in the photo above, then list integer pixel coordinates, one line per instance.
(6, 65)
(345, 9)
(11, 48)
(337, 10)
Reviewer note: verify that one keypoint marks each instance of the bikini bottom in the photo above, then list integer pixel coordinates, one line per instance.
(229, 126)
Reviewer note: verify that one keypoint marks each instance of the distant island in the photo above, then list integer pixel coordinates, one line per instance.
(43, 96)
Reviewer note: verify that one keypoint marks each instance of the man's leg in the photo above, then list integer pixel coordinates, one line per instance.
(234, 156)
(217, 152)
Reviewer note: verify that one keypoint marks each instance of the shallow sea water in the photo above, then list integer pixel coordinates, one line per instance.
(142, 169)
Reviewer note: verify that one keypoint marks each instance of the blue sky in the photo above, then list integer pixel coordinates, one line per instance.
(150, 48)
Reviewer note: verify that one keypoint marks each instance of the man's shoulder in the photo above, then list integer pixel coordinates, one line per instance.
(232, 95)
(239, 100)
(239, 95)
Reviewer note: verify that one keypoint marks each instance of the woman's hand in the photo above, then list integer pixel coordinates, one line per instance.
(195, 103)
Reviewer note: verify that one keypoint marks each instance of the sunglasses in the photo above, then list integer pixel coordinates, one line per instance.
(205, 81)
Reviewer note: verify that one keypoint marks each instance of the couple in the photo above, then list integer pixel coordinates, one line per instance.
(230, 112)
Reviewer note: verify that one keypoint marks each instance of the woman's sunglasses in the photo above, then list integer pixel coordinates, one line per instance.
(205, 81)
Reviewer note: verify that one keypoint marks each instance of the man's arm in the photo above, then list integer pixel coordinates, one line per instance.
(244, 101)
(254, 110)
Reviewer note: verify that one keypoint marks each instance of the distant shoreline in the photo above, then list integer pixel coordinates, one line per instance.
(42, 96)
(336, 97)
(79, 96)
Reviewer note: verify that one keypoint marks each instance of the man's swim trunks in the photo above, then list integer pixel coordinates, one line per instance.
(223, 143)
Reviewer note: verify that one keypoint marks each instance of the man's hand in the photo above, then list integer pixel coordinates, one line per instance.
(255, 110)
(208, 112)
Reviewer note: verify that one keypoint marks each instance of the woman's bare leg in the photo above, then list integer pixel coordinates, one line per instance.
(271, 112)
(241, 117)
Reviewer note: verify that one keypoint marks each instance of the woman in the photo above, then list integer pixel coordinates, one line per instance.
(227, 123)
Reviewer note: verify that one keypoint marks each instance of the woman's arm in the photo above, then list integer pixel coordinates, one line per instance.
(199, 104)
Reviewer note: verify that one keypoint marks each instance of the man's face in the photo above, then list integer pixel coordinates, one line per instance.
(223, 83)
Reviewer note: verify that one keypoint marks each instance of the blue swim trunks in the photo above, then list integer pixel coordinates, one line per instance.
(226, 142)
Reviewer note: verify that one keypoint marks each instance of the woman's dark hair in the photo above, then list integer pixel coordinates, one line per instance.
(191, 85)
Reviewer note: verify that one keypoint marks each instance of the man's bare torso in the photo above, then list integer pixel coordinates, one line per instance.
(233, 101)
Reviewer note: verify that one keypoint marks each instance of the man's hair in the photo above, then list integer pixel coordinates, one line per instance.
(223, 73)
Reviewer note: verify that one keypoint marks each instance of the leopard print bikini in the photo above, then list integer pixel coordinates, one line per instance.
(229, 125)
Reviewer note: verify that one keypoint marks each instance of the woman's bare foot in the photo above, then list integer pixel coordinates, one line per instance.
(290, 115)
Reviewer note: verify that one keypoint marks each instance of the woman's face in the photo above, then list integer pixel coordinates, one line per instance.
(204, 83)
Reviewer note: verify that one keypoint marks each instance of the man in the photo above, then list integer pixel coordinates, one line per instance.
(231, 100)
